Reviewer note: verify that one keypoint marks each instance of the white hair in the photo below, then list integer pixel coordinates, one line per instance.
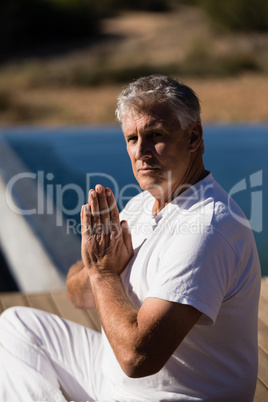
(145, 91)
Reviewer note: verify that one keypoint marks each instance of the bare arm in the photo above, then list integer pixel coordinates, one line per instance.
(142, 340)
(79, 290)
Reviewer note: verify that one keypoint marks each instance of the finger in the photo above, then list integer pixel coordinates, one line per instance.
(94, 204)
(86, 227)
(95, 214)
(90, 194)
(127, 237)
(103, 209)
(113, 210)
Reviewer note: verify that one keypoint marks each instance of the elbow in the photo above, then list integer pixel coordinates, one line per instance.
(80, 302)
(138, 366)
(72, 299)
(71, 293)
(78, 288)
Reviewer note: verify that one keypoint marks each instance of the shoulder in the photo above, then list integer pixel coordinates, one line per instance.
(229, 221)
(210, 199)
(206, 215)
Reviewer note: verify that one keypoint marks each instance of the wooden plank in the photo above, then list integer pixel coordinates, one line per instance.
(14, 299)
(43, 301)
(261, 394)
(263, 335)
(264, 288)
(263, 365)
(70, 313)
(263, 309)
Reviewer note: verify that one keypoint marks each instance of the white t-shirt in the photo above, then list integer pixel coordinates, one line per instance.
(200, 251)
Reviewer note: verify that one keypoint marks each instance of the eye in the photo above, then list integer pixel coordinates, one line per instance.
(156, 136)
(132, 139)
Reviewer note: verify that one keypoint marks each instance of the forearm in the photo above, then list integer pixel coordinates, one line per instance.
(106, 250)
(79, 290)
(142, 339)
(119, 319)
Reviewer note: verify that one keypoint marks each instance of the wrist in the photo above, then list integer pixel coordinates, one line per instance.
(96, 275)
(104, 284)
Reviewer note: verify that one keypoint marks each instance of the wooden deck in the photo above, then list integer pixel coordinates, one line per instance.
(57, 303)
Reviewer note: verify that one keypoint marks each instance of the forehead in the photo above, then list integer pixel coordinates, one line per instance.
(156, 116)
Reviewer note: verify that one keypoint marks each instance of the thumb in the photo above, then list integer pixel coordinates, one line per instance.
(127, 236)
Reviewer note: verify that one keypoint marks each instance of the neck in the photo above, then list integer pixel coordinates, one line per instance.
(194, 173)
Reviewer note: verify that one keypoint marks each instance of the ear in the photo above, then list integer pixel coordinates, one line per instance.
(195, 136)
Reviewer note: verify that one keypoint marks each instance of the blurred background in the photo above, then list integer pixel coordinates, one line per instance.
(64, 61)
(63, 64)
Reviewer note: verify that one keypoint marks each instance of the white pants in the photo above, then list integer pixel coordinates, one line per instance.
(46, 358)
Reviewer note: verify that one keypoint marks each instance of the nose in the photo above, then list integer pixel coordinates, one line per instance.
(143, 149)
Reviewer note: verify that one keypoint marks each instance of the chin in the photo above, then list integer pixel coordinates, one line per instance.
(151, 186)
(151, 183)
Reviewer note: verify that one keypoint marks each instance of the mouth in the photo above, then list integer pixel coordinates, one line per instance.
(147, 169)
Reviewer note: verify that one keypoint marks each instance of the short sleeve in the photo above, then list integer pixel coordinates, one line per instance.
(195, 271)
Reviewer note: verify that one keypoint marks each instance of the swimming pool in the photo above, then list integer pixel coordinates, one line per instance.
(61, 164)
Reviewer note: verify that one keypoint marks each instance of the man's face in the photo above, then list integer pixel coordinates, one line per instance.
(158, 149)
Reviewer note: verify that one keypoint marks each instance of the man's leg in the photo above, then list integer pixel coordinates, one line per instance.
(40, 352)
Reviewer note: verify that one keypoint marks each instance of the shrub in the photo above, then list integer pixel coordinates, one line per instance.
(238, 15)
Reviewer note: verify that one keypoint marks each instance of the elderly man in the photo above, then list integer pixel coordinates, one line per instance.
(175, 279)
